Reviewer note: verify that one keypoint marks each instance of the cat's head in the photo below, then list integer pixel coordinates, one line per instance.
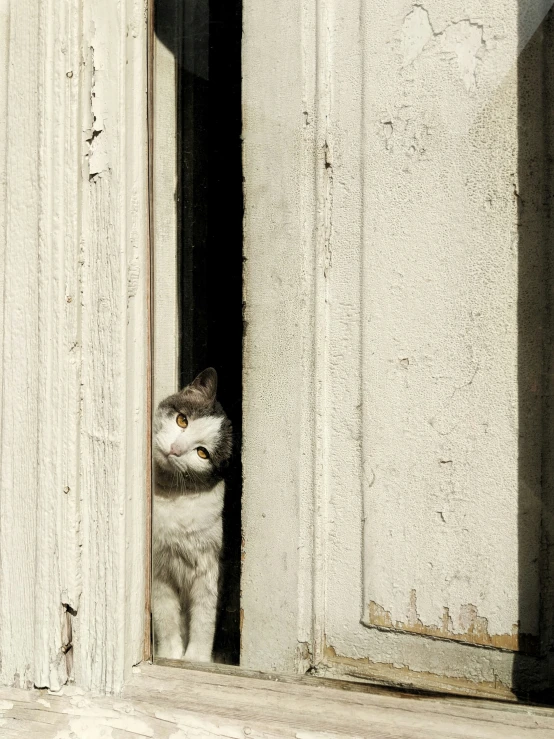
(192, 435)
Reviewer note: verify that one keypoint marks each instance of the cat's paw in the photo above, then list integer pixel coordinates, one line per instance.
(196, 654)
(170, 651)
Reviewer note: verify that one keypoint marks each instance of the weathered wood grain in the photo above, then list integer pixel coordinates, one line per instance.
(164, 702)
(73, 439)
(114, 334)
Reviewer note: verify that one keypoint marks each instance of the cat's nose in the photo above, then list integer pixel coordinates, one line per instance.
(175, 450)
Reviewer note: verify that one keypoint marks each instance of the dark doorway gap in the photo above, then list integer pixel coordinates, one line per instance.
(533, 666)
(205, 38)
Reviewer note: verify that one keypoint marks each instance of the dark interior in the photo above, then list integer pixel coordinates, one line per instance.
(533, 670)
(205, 38)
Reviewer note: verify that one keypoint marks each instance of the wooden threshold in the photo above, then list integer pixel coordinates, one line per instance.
(168, 703)
(374, 678)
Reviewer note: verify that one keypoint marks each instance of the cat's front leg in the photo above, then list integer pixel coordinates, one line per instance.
(203, 609)
(166, 617)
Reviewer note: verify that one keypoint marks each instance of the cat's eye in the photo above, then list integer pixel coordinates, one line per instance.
(202, 453)
(182, 421)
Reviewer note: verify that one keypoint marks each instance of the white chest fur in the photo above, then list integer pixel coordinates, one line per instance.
(187, 538)
(184, 520)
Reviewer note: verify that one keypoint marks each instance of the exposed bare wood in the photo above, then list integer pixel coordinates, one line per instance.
(344, 673)
(476, 627)
(362, 669)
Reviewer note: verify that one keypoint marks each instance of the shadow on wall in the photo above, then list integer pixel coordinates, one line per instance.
(204, 37)
(532, 671)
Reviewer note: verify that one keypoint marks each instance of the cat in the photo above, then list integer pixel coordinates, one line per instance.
(192, 444)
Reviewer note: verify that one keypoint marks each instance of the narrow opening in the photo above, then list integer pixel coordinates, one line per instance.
(197, 235)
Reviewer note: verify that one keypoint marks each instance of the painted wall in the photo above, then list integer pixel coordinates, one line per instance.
(442, 371)
(73, 444)
(396, 445)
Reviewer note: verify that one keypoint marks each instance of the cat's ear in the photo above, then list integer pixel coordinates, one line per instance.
(206, 383)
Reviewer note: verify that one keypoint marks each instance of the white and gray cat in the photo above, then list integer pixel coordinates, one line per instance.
(192, 444)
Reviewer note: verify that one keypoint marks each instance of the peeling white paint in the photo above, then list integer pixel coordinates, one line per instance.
(461, 41)
(85, 728)
(98, 154)
(416, 34)
(73, 227)
(464, 41)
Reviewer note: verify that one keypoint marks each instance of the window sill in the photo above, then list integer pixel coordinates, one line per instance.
(163, 701)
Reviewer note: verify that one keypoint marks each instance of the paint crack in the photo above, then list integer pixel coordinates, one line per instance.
(461, 41)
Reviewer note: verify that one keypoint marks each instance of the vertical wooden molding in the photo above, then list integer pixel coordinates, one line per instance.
(280, 155)
(19, 447)
(164, 211)
(147, 651)
(114, 326)
(73, 446)
(56, 586)
(323, 250)
(134, 158)
(4, 62)
(308, 162)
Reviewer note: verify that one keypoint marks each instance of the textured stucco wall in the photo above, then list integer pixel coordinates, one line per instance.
(407, 156)
(440, 300)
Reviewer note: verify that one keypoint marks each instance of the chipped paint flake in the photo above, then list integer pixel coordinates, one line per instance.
(133, 278)
(98, 159)
(461, 41)
(464, 42)
(468, 627)
(416, 34)
(400, 674)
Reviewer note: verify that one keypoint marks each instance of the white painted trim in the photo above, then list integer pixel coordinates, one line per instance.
(164, 220)
(74, 396)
